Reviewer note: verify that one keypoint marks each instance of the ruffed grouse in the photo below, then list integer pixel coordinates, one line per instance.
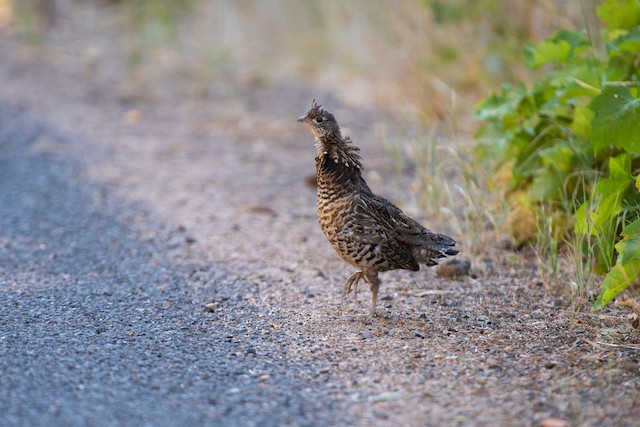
(367, 231)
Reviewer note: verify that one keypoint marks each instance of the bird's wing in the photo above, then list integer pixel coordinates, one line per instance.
(410, 232)
(374, 226)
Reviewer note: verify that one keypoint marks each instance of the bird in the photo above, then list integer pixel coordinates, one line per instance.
(366, 230)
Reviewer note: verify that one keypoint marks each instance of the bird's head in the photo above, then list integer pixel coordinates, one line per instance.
(322, 123)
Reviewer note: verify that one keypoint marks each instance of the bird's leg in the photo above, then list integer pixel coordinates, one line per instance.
(352, 281)
(374, 284)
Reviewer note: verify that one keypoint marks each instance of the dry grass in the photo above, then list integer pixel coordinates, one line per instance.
(412, 57)
(423, 63)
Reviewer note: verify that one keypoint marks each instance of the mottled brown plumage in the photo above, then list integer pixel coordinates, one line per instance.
(366, 230)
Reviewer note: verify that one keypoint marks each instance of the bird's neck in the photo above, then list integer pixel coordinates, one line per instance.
(338, 166)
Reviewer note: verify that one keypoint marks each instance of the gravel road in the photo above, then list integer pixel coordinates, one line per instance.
(161, 264)
(101, 326)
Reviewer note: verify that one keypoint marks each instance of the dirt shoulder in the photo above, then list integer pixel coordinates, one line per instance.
(215, 241)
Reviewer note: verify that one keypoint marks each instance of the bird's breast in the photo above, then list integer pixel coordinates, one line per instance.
(333, 213)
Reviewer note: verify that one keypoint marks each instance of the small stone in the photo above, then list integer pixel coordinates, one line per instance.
(553, 422)
(629, 366)
(387, 397)
(381, 415)
(634, 320)
(454, 267)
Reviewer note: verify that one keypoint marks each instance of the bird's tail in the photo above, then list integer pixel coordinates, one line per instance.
(434, 247)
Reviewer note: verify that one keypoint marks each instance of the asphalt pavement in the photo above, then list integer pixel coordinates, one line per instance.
(101, 325)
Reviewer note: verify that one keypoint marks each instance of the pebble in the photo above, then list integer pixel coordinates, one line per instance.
(553, 422)
(387, 397)
(454, 268)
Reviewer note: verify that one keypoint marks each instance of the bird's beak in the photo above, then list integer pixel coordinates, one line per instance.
(302, 118)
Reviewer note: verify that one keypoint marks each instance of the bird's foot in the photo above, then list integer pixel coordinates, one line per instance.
(352, 282)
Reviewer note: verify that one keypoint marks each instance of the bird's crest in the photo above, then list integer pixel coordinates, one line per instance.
(330, 142)
(317, 110)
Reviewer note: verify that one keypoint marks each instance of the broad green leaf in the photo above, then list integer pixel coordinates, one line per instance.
(581, 78)
(616, 121)
(606, 212)
(595, 216)
(620, 13)
(560, 48)
(498, 106)
(546, 185)
(638, 182)
(582, 122)
(629, 247)
(615, 33)
(609, 187)
(620, 169)
(618, 180)
(616, 281)
(632, 230)
(582, 224)
(559, 156)
(629, 42)
(545, 52)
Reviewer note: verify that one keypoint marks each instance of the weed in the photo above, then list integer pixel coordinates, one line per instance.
(571, 142)
(546, 249)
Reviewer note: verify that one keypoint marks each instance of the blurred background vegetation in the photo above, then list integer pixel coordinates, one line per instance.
(432, 58)
(426, 64)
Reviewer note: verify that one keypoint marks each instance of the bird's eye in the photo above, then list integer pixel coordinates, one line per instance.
(319, 119)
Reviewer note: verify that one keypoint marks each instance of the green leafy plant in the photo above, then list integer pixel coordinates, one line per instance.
(571, 142)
